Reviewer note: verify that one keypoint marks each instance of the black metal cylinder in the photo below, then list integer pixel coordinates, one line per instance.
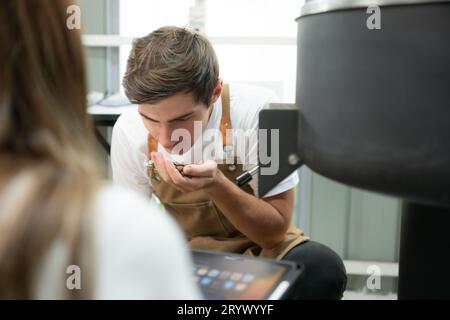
(375, 104)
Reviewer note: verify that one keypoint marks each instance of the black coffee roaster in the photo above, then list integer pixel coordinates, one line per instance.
(373, 111)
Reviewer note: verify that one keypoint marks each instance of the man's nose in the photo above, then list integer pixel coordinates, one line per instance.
(164, 138)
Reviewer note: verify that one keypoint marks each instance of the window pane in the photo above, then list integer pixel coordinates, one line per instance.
(139, 18)
(230, 18)
(252, 18)
(271, 66)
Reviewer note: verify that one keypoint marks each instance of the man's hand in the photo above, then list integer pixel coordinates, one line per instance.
(194, 177)
(264, 221)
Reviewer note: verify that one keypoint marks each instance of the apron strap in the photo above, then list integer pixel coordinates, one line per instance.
(152, 145)
(225, 123)
(225, 126)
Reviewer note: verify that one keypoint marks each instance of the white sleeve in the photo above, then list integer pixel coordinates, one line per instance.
(128, 155)
(141, 252)
(251, 119)
(287, 184)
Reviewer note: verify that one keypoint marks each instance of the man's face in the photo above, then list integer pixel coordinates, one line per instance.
(177, 112)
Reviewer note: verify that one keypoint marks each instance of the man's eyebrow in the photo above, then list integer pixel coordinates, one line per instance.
(147, 117)
(182, 116)
(172, 120)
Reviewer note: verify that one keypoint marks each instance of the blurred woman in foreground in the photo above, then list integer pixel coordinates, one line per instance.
(58, 224)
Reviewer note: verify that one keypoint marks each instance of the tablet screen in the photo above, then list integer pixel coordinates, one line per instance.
(223, 276)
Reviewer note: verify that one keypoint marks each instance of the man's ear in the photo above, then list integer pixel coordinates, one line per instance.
(217, 91)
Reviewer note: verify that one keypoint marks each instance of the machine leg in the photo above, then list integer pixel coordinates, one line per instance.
(424, 266)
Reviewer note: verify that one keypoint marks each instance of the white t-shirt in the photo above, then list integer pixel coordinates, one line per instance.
(129, 148)
(130, 262)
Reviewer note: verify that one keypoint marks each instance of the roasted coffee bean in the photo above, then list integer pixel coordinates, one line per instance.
(179, 168)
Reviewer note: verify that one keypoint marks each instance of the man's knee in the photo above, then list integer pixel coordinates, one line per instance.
(324, 275)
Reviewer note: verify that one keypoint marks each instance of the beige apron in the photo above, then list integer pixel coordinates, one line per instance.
(202, 222)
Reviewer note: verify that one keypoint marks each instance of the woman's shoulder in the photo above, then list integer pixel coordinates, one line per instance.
(123, 203)
(127, 217)
(140, 249)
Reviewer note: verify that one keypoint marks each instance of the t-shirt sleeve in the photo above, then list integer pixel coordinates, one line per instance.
(257, 101)
(128, 156)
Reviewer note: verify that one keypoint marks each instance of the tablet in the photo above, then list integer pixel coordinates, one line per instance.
(227, 276)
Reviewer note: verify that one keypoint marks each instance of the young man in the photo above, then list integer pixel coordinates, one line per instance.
(173, 76)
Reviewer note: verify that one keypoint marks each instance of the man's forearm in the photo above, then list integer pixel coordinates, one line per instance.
(257, 219)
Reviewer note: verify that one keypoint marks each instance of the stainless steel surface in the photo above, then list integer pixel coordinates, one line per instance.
(254, 170)
(322, 6)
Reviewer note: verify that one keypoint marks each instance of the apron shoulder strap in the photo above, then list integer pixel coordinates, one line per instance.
(152, 145)
(225, 123)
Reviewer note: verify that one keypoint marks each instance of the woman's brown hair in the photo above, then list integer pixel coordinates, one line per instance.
(47, 167)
